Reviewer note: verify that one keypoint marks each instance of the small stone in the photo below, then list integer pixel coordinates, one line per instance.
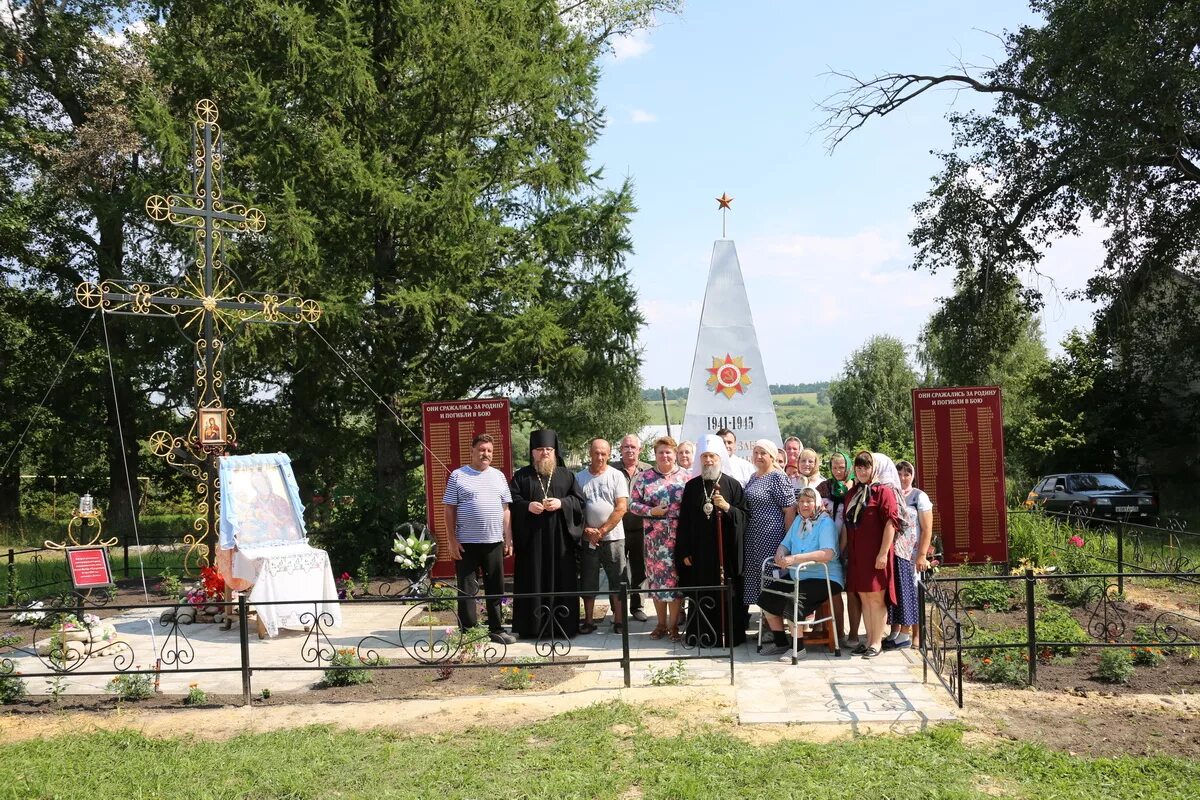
(212, 610)
(167, 616)
(186, 616)
(219, 618)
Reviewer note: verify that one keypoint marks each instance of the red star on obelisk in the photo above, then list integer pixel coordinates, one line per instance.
(723, 205)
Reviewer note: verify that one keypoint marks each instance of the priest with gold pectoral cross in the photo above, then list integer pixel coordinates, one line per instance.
(547, 524)
(708, 551)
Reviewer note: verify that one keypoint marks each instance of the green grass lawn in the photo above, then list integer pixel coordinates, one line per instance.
(599, 752)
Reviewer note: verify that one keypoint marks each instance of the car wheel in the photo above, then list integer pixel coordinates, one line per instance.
(1078, 515)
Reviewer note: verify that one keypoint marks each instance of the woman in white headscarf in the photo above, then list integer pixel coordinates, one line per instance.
(772, 504)
(872, 519)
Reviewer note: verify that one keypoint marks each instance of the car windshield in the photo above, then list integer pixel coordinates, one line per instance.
(1097, 482)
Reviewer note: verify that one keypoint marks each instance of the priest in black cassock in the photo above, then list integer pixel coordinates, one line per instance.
(547, 524)
(712, 519)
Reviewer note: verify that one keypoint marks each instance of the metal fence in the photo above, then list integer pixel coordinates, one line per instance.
(1132, 548)
(42, 651)
(949, 628)
(34, 572)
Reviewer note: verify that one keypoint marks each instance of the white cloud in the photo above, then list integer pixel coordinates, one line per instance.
(814, 298)
(1066, 268)
(806, 254)
(120, 36)
(639, 116)
(818, 297)
(668, 311)
(632, 46)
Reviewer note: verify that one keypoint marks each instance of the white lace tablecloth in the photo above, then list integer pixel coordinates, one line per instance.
(295, 572)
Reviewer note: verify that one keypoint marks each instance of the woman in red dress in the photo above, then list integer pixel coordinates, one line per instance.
(872, 516)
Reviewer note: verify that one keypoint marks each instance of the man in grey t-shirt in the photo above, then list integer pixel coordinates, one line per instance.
(480, 535)
(603, 542)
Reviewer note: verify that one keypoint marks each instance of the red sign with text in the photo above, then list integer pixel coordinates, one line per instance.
(449, 428)
(89, 567)
(959, 436)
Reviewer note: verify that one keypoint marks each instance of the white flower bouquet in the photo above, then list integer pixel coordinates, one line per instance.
(414, 551)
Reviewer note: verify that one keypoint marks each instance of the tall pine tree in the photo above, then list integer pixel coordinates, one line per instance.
(423, 166)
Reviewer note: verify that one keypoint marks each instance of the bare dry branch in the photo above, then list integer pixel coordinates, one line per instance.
(850, 109)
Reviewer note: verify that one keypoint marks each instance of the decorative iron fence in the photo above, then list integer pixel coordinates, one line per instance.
(950, 631)
(34, 573)
(941, 639)
(48, 648)
(1131, 547)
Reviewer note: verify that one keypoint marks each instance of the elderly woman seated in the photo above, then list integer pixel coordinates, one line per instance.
(811, 541)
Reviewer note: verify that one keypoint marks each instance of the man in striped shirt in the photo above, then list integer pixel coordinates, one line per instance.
(479, 529)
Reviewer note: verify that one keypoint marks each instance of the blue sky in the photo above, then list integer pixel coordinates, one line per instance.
(724, 99)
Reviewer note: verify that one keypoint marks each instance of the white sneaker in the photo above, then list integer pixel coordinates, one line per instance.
(787, 656)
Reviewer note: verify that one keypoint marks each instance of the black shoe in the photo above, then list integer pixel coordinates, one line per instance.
(858, 651)
(639, 615)
(618, 627)
(502, 637)
(871, 652)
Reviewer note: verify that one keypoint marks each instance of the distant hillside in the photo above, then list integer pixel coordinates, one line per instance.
(776, 390)
(802, 408)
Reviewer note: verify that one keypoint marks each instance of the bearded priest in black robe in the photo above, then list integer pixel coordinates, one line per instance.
(547, 524)
(712, 519)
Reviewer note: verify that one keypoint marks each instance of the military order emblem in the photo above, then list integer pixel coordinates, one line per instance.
(728, 377)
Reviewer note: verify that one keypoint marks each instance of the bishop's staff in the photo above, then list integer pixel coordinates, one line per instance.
(716, 496)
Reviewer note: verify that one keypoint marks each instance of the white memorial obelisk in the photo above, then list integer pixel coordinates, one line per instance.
(728, 386)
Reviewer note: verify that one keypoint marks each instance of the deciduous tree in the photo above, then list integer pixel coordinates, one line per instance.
(72, 169)
(872, 398)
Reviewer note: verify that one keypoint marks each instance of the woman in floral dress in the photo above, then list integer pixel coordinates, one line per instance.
(772, 502)
(655, 496)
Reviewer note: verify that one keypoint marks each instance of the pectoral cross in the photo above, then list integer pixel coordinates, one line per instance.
(209, 306)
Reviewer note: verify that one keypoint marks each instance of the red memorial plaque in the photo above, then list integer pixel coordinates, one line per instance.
(89, 567)
(449, 428)
(960, 464)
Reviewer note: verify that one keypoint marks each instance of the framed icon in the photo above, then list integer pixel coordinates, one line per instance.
(212, 425)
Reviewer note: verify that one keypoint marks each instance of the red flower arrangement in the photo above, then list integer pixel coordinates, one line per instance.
(213, 583)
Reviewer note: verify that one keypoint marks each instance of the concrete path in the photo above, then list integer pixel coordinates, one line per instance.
(885, 692)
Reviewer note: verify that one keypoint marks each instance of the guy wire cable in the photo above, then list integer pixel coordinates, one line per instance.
(49, 389)
(391, 410)
(128, 484)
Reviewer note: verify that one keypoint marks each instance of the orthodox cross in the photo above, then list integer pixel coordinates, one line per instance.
(210, 306)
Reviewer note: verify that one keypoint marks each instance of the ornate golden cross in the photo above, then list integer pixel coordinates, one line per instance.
(210, 305)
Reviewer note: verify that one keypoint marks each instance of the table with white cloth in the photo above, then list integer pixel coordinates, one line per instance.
(290, 572)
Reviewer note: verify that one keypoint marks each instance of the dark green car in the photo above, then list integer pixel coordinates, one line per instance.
(1094, 495)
